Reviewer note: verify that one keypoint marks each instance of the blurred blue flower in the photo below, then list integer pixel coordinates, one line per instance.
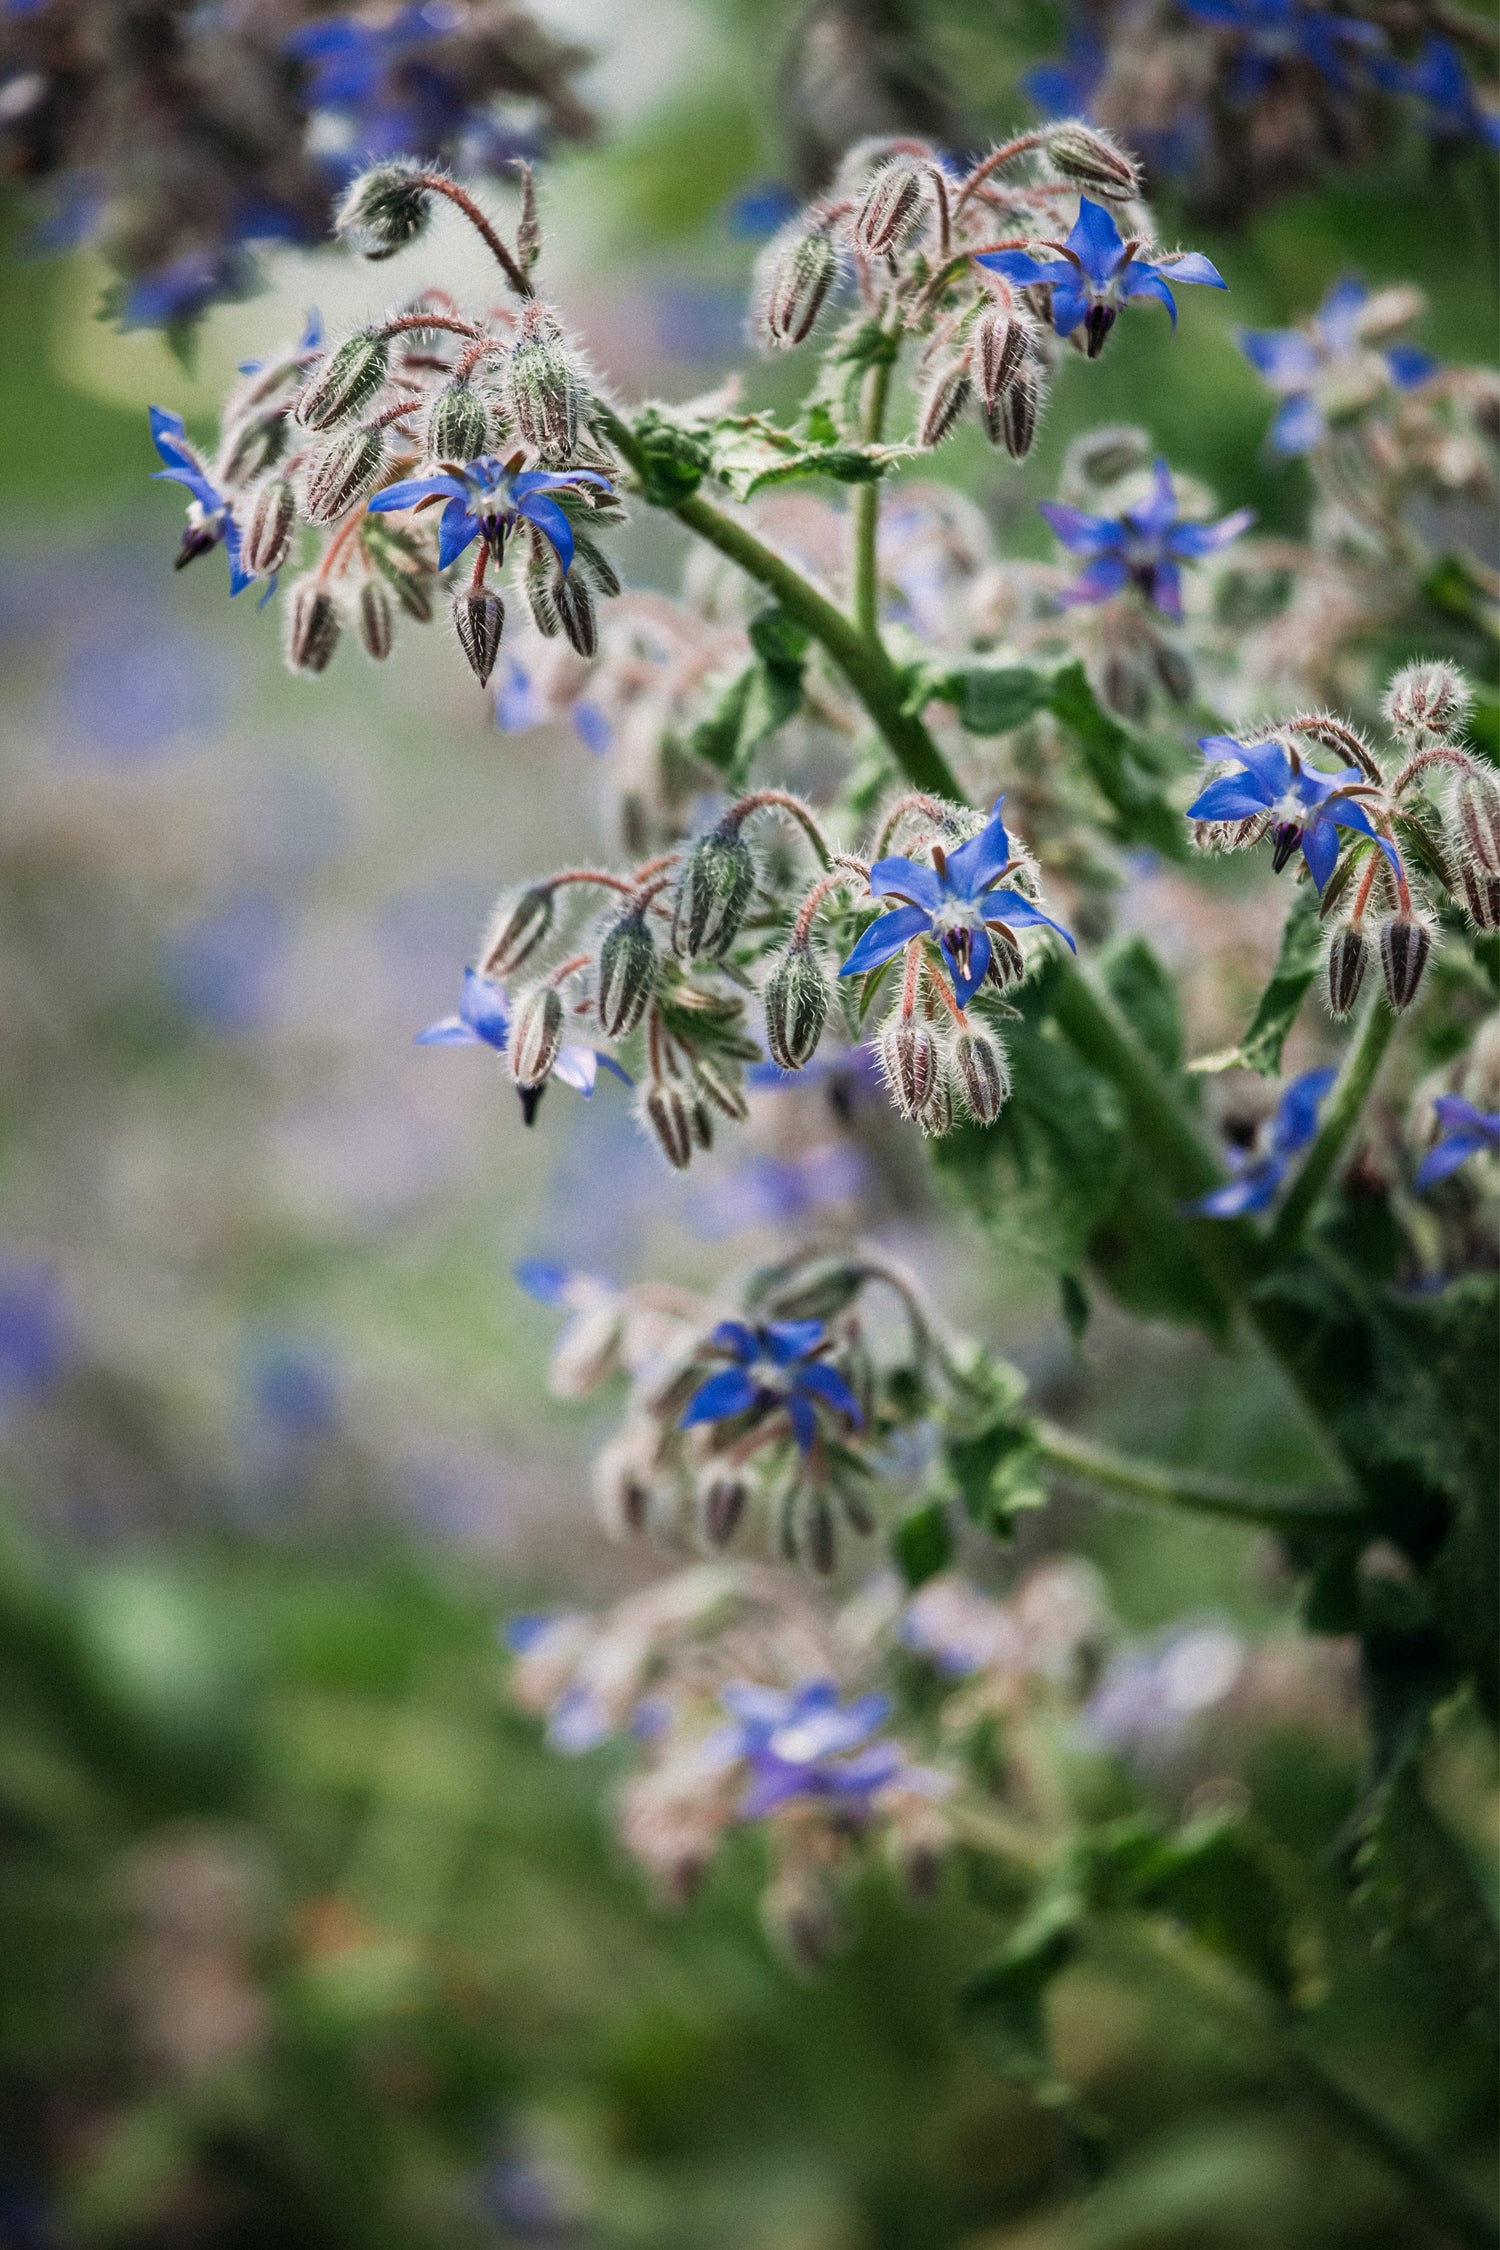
(1095, 272)
(953, 901)
(806, 1743)
(1141, 548)
(209, 520)
(483, 1019)
(591, 726)
(36, 1331)
(1307, 808)
(1258, 1177)
(769, 1190)
(1271, 33)
(133, 692)
(489, 500)
(1150, 1695)
(1438, 80)
(756, 212)
(1294, 360)
(959, 1630)
(1464, 1131)
(292, 1389)
(775, 1368)
(517, 703)
(219, 966)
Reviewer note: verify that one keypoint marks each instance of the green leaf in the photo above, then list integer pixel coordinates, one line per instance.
(750, 452)
(1144, 994)
(1276, 1010)
(996, 1471)
(1120, 767)
(1004, 2007)
(922, 1543)
(1076, 1309)
(675, 459)
(993, 698)
(1218, 1881)
(757, 700)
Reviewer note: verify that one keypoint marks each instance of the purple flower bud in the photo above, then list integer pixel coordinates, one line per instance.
(714, 890)
(793, 276)
(944, 396)
(796, 1008)
(479, 621)
(909, 1060)
(1001, 347)
(312, 626)
(377, 619)
(1405, 944)
(383, 210)
(666, 1113)
(535, 1037)
(458, 428)
(627, 974)
(342, 472)
(983, 1075)
(1474, 820)
(1012, 421)
(721, 1504)
(543, 386)
(347, 380)
(516, 932)
(890, 210)
(1087, 158)
(1348, 958)
(273, 519)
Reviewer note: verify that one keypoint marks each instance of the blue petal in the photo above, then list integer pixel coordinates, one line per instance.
(551, 523)
(735, 1336)
(1320, 848)
(542, 1279)
(885, 938)
(1080, 532)
(1408, 366)
(1338, 315)
(1296, 1118)
(980, 950)
(828, 1384)
(1266, 760)
(1235, 796)
(1447, 1156)
(729, 1392)
(1145, 281)
(451, 1032)
(412, 489)
(909, 879)
(1191, 540)
(1286, 358)
(1298, 426)
(1098, 581)
(1192, 266)
(804, 1422)
(455, 531)
(1096, 242)
(981, 860)
(1027, 272)
(578, 1067)
(483, 1006)
(1018, 913)
(549, 480)
(1156, 516)
(789, 1340)
(1165, 590)
(1252, 1191)
(1070, 301)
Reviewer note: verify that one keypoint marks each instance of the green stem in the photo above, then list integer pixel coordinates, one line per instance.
(1339, 1119)
(1277, 1506)
(867, 509)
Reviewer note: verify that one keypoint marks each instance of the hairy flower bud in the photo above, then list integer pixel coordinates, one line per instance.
(254, 447)
(938, 1115)
(713, 892)
(890, 209)
(543, 386)
(384, 209)
(311, 626)
(796, 1008)
(1001, 345)
(721, 1504)
(273, 519)
(1405, 944)
(1474, 820)
(820, 1541)
(341, 473)
(909, 1061)
(701, 1121)
(541, 584)
(1481, 897)
(576, 613)
(793, 276)
(535, 1037)
(627, 974)
(666, 1113)
(712, 1079)
(1007, 961)
(458, 428)
(479, 620)
(1427, 699)
(983, 1074)
(377, 619)
(1087, 158)
(346, 381)
(516, 930)
(1013, 419)
(1348, 958)
(945, 394)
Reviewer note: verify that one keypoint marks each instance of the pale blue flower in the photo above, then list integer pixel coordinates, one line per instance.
(1096, 271)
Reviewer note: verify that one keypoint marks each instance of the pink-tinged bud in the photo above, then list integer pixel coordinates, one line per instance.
(796, 1008)
(544, 388)
(346, 381)
(666, 1113)
(311, 626)
(1474, 820)
(793, 276)
(377, 619)
(1405, 946)
(341, 473)
(712, 1079)
(909, 1062)
(627, 974)
(890, 210)
(1348, 958)
(479, 621)
(1428, 699)
(516, 930)
(458, 428)
(945, 394)
(721, 1504)
(576, 613)
(1001, 347)
(1013, 419)
(535, 1037)
(1481, 897)
(983, 1075)
(383, 210)
(1087, 158)
(273, 519)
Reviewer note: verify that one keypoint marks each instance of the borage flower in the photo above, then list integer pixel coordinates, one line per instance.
(1438, 80)
(1096, 271)
(1307, 808)
(1272, 33)
(803, 1743)
(210, 522)
(775, 1368)
(1302, 364)
(958, 901)
(1141, 548)
(1259, 1176)
(1464, 1131)
(489, 499)
(484, 1020)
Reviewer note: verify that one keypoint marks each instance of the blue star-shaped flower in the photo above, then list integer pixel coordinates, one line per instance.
(488, 499)
(1271, 33)
(774, 1367)
(483, 1020)
(210, 523)
(1142, 548)
(957, 901)
(804, 1743)
(1096, 271)
(1464, 1132)
(1294, 362)
(1259, 1176)
(1307, 807)
(1439, 81)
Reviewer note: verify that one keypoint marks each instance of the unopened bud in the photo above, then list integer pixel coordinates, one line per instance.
(273, 519)
(1173, 670)
(796, 1008)
(622, 1482)
(1007, 961)
(253, 448)
(937, 1115)
(458, 427)
(516, 931)
(1474, 820)
(890, 210)
(701, 1121)
(820, 1535)
(666, 1113)
(312, 626)
(384, 210)
(377, 619)
(1428, 699)
(479, 620)
(576, 613)
(347, 380)
(983, 1075)
(1405, 944)
(1012, 421)
(793, 276)
(721, 1504)
(1481, 897)
(712, 1079)
(1001, 345)
(1087, 158)
(342, 472)
(909, 1061)
(543, 386)
(535, 1037)
(541, 584)
(944, 396)
(713, 893)
(587, 1353)
(627, 974)
(1348, 958)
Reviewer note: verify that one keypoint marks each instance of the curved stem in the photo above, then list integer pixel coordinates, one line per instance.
(438, 184)
(867, 508)
(782, 800)
(1339, 1119)
(1277, 1506)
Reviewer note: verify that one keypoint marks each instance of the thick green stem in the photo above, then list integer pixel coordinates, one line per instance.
(1339, 1120)
(1277, 1507)
(867, 510)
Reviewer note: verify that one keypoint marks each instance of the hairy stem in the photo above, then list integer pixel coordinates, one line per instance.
(1339, 1119)
(867, 509)
(437, 183)
(1276, 1506)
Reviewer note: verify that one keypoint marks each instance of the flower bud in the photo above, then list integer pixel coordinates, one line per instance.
(909, 1060)
(1286, 835)
(796, 1008)
(377, 619)
(793, 276)
(1474, 820)
(517, 929)
(1427, 699)
(587, 1353)
(713, 892)
(254, 447)
(1481, 897)
(576, 613)
(1001, 345)
(342, 472)
(543, 386)
(384, 210)
(312, 626)
(1087, 158)
(983, 1075)
(1348, 958)
(1173, 670)
(712, 1079)
(535, 1037)
(479, 620)
(458, 428)
(1007, 961)
(627, 974)
(721, 1504)
(666, 1113)
(701, 1121)
(1386, 310)
(273, 519)
(937, 1114)
(622, 1481)
(541, 584)
(820, 1535)
(1012, 421)
(1405, 944)
(890, 210)
(346, 381)
(944, 396)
